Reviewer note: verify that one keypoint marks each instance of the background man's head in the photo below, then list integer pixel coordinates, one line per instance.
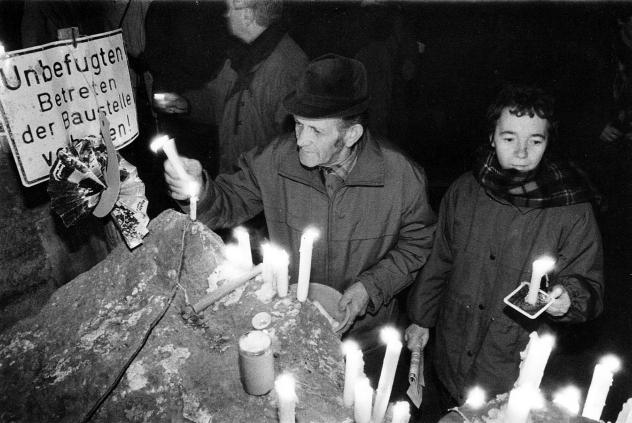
(247, 19)
(329, 106)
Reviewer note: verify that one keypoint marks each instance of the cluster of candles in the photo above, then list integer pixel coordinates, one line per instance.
(357, 389)
(526, 395)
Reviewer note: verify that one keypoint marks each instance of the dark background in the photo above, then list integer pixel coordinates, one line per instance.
(471, 50)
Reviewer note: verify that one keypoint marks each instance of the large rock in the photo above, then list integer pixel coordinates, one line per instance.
(56, 366)
(37, 253)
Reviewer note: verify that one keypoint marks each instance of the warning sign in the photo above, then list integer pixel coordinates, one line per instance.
(52, 93)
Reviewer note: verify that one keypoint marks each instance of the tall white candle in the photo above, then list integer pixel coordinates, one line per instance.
(243, 242)
(194, 191)
(568, 399)
(600, 386)
(284, 387)
(519, 404)
(267, 269)
(305, 263)
(281, 275)
(401, 412)
(363, 400)
(168, 145)
(536, 356)
(625, 415)
(391, 337)
(540, 267)
(354, 368)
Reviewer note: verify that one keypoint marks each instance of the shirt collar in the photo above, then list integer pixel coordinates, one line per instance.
(343, 168)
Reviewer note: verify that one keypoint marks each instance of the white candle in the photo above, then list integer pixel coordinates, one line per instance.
(391, 337)
(520, 401)
(267, 272)
(284, 387)
(535, 358)
(354, 367)
(476, 397)
(281, 277)
(363, 400)
(243, 242)
(568, 399)
(168, 145)
(625, 415)
(401, 412)
(194, 191)
(540, 267)
(305, 263)
(600, 386)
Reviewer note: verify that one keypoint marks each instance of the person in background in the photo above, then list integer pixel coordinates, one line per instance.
(517, 205)
(186, 48)
(261, 69)
(367, 200)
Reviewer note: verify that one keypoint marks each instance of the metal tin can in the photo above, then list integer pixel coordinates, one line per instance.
(256, 362)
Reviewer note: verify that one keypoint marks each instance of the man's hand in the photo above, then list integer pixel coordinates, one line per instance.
(610, 134)
(179, 189)
(170, 103)
(561, 303)
(354, 300)
(416, 336)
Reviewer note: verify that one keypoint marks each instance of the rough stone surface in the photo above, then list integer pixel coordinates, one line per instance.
(55, 366)
(37, 254)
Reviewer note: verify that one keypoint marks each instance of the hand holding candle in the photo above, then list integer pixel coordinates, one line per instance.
(305, 263)
(541, 266)
(391, 337)
(284, 387)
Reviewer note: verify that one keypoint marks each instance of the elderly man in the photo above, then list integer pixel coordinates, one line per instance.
(367, 200)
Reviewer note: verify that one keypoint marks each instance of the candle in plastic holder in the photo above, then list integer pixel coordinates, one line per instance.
(256, 362)
(540, 267)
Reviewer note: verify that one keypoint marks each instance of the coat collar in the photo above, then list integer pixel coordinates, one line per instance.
(368, 170)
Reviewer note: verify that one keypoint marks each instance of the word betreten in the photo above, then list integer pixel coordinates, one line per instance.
(67, 94)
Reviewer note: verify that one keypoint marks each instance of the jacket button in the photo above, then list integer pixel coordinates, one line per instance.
(469, 353)
(481, 306)
(492, 257)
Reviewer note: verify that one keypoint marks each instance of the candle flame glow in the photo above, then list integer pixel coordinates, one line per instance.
(545, 264)
(389, 334)
(2, 50)
(240, 231)
(158, 142)
(476, 398)
(311, 233)
(349, 347)
(611, 362)
(160, 96)
(193, 189)
(285, 386)
(568, 398)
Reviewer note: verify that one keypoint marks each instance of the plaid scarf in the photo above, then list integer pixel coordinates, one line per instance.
(549, 185)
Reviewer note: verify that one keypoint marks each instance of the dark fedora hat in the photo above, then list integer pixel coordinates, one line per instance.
(331, 86)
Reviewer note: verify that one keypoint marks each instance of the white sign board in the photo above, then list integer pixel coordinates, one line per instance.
(54, 92)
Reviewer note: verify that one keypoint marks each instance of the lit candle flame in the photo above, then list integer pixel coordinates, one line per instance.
(311, 233)
(158, 142)
(611, 362)
(476, 398)
(349, 347)
(389, 334)
(568, 398)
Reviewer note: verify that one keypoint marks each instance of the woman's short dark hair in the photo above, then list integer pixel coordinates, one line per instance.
(523, 100)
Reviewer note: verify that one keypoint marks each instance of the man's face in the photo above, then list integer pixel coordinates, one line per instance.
(320, 141)
(521, 141)
(235, 17)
